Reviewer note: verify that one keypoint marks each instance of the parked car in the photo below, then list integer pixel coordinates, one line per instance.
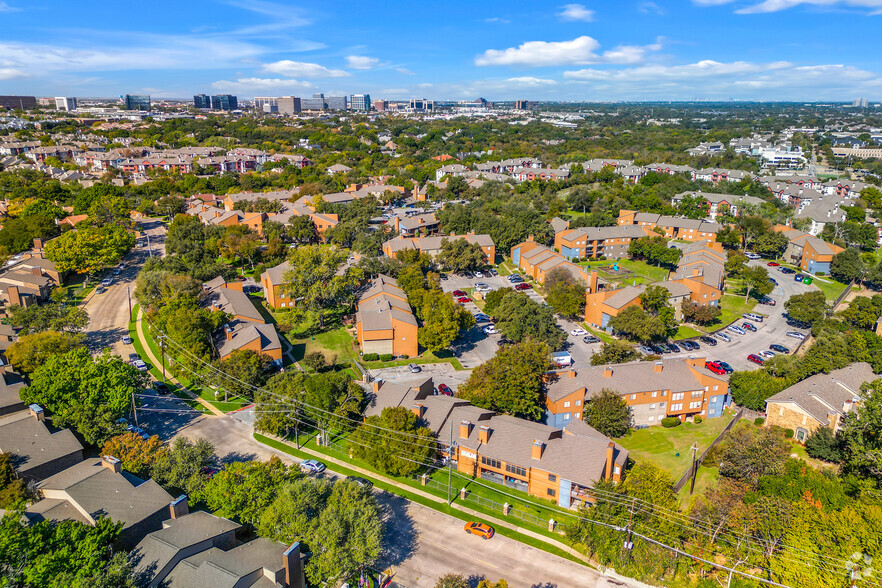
(515, 277)
(726, 367)
(773, 264)
(490, 330)
(311, 466)
(754, 358)
(645, 350)
(722, 336)
(523, 286)
(445, 390)
(467, 275)
(463, 299)
(479, 275)
(100, 290)
(414, 368)
(458, 293)
(480, 529)
(481, 285)
(665, 348)
(767, 354)
(140, 365)
(768, 301)
(786, 270)
(798, 277)
(690, 345)
(590, 339)
(656, 349)
(116, 271)
(673, 347)
(796, 335)
(504, 341)
(779, 348)
(366, 484)
(483, 289)
(709, 340)
(714, 367)
(736, 329)
(106, 282)
(162, 388)
(750, 255)
(126, 340)
(773, 281)
(748, 327)
(492, 272)
(578, 332)
(482, 318)
(752, 316)
(133, 357)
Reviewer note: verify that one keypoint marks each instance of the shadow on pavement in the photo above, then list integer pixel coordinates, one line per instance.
(400, 539)
(165, 415)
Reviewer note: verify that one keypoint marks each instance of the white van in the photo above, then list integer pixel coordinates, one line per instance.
(752, 316)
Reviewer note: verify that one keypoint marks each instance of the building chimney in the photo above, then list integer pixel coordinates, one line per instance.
(465, 429)
(484, 434)
(419, 410)
(610, 455)
(111, 463)
(658, 367)
(179, 507)
(607, 372)
(537, 449)
(37, 271)
(37, 412)
(13, 295)
(38, 243)
(293, 566)
(571, 373)
(377, 385)
(592, 282)
(228, 332)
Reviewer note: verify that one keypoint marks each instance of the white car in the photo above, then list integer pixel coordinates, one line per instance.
(578, 332)
(479, 285)
(749, 255)
(767, 354)
(736, 329)
(140, 365)
(796, 335)
(722, 336)
(479, 275)
(490, 330)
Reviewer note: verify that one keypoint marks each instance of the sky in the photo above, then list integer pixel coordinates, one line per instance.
(781, 50)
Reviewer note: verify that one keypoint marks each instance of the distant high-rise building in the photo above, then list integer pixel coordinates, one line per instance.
(526, 105)
(860, 103)
(137, 102)
(224, 102)
(62, 103)
(314, 103)
(380, 105)
(260, 101)
(23, 102)
(289, 105)
(270, 108)
(421, 104)
(360, 102)
(201, 101)
(336, 102)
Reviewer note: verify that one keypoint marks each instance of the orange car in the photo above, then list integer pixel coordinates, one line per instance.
(480, 529)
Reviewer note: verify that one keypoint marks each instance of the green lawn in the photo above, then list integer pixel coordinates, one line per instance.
(602, 335)
(644, 273)
(669, 448)
(733, 306)
(506, 268)
(686, 332)
(707, 478)
(425, 357)
(831, 289)
(337, 341)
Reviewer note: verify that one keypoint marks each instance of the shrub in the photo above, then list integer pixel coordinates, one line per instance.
(758, 421)
(405, 356)
(371, 356)
(788, 433)
(386, 357)
(315, 360)
(697, 419)
(823, 444)
(670, 422)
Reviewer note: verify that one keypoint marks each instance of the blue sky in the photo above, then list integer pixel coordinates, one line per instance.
(623, 50)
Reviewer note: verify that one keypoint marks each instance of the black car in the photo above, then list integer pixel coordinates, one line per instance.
(726, 367)
(663, 348)
(162, 388)
(779, 348)
(708, 340)
(366, 484)
(674, 347)
(786, 270)
(504, 341)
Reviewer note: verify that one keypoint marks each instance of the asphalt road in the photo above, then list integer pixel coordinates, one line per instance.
(109, 312)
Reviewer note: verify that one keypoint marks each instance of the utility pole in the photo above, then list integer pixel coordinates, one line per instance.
(694, 468)
(628, 544)
(129, 294)
(162, 352)
(134, 410)
(449, 460)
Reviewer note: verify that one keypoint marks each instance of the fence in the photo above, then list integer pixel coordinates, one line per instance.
(688, 473)
(842, 296)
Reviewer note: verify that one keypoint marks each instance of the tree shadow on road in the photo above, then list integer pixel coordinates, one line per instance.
(237, 456)
(98, 340)
(400, 539)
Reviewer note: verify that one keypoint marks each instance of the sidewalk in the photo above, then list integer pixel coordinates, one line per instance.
(139, 328)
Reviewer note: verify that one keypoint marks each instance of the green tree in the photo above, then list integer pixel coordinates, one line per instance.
(519, 317)
(242, 372)
(31, 351)
(452, 580)
(823, 444)
(511, 382)
(751, 388)
(404, 446)
(48, 317)
(89, 249)
(810, 307)
(700, 314)
(608, 413)
(88, 394)
(181, 468)
(862, 312)
(655, 250)
(460, 255)
(315, 360)
(748, 453)
(13, 490)
(771, 244)
(847, 266)
(493, 299)
(756, 280)
(861, 434)
(243, 490)
(136, 453)
(637, 324)
(443, 319)
(317, 276)
(615, 352)
(113, 210)
(735, 262)
(729, 237)
(565, 294)
(695, 207)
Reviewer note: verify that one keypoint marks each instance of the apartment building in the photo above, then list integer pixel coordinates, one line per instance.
(273, 282)
(246, 328)
(432, 245)
(38, 450)
(671, 227)
(530, 174)
(453, 170)
(653, 390)
(537, 260)
(668, 169)
(810, 253)
(717, 175)
(385, 323)
(586, 242)
(732, 204)
(416, 225)
(821, 400)
(560, 464)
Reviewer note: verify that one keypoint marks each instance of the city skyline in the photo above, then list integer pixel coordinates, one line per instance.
(642, 50)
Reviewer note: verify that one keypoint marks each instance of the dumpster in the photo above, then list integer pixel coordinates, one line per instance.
(806, 280)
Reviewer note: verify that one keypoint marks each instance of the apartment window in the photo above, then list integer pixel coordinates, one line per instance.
(664, 393)
(650, 419)
(706, 388)
(678, 406)
(577, 415)
(566, 416)
(677, 396)
(551, 492)
(654, 394)
(490, 462)
(695, 404)
(552, 478)
(567, 404)
(697, 394)
(516, 470)
(633, 397)
(652, 406)
(716, 387)
(578, 403)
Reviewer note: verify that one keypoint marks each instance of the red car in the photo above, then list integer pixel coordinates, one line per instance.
(523, 286)
(773, 264)
(748, 327)
(756, 359)
(463, 299)
(715, 368)
(458, 293)
(445, 390)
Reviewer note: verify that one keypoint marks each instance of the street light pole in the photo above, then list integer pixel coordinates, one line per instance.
(162, 352)
(449, 464)
(134, 409)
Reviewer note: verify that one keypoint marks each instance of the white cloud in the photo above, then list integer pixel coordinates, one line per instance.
(579, 51)
(576, 12)
(250, 86)
(361, 61)
(651, 8)
(702, 69)
(766, 6)
(405, 71)
(4, 7)
(9, 73)
(531, 81)
(300, 69)
(497, 19)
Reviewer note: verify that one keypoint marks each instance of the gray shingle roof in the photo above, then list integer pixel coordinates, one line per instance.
(33, 444)
(824, 394)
